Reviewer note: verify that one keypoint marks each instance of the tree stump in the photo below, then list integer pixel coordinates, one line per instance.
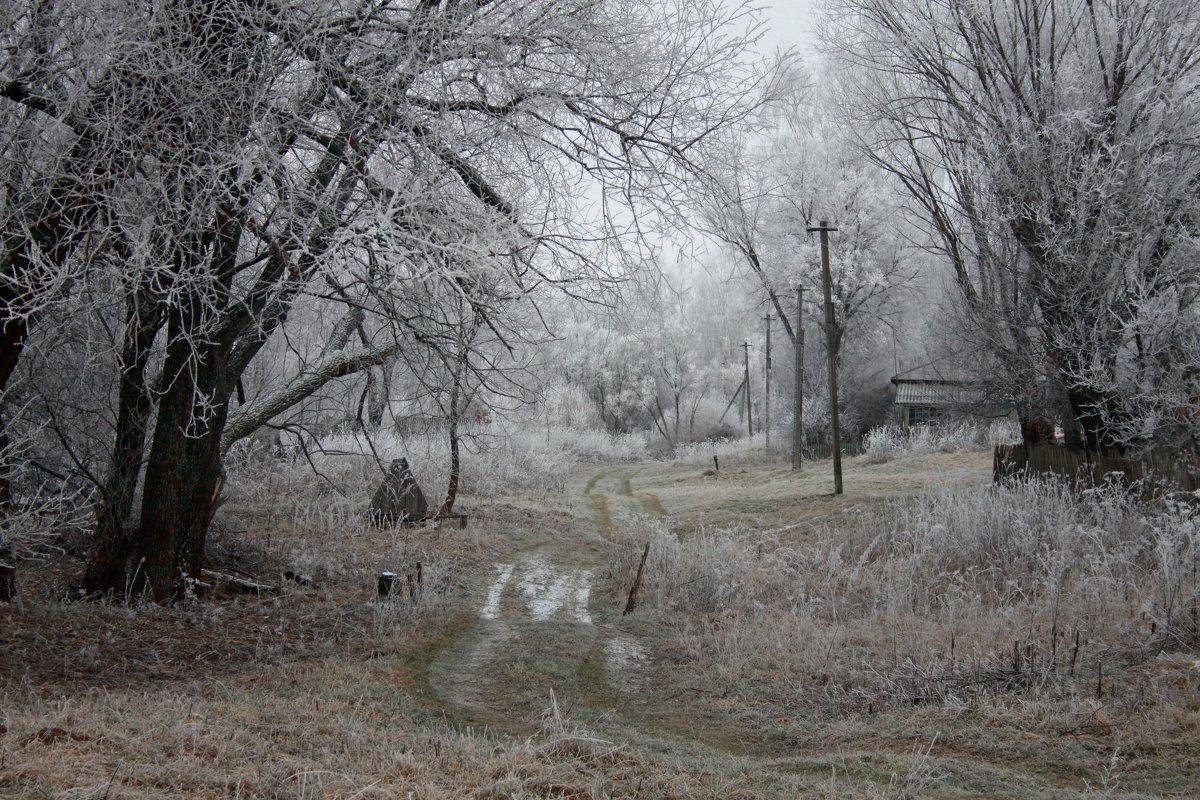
(8, 583)
(386, 584)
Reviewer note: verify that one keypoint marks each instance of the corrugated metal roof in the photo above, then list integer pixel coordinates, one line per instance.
(929, 393)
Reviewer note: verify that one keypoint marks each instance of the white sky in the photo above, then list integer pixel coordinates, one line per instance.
(792, 23)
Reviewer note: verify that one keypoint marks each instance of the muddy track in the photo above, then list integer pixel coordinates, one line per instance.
(536, 626)
(539, 622)
(540, 626)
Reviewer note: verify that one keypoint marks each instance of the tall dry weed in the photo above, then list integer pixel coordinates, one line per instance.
(956, 590)
(889, 442)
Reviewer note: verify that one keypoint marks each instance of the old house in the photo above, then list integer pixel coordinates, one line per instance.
(939, 392)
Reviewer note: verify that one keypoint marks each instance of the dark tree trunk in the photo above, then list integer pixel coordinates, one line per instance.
(12, 344)
(183, 471)
(69, 210)
(452, 486)
(1072, 432)
(1098, 415)
(6, 466)
(377, 396)
(8, 583)
(107, 568)
(1035, 429)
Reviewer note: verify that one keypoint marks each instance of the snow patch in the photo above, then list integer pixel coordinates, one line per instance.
(621, 653)
(548, 591)
(583, 593)
(491, 608)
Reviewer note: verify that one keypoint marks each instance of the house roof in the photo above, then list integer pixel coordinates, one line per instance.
(935, 393)
(937, 384)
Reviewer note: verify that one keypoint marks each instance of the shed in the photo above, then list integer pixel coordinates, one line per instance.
(938, 392)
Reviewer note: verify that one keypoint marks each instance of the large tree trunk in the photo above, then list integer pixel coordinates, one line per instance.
(1099, 416)
(108, 562)
(183, 471)
(12, 343)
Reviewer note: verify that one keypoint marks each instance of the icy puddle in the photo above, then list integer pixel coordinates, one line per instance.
(491, 607)
(546, 590)
(520, 635)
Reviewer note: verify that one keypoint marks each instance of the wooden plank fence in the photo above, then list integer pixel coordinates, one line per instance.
(819, 451)
(1155, 473)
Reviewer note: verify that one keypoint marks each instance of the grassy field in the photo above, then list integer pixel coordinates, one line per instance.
(921, 635)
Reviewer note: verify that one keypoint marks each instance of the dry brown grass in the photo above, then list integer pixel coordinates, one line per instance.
(318, 692)
(323, 728)
(896, 612)
(759, 689)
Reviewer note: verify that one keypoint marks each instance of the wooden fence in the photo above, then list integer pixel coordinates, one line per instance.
(819, 451)
(1156, 472)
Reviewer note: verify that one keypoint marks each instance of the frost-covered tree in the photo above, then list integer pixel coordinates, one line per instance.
(1051, 148)
(800, 169)
(216, 166)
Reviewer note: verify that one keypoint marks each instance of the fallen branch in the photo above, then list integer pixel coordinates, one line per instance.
(234, 584)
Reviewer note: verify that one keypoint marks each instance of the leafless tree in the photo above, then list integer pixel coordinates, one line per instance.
(219, 165)
(803, 168)
(1050, 146)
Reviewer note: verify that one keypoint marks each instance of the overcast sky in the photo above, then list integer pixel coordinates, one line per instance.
(791, 23)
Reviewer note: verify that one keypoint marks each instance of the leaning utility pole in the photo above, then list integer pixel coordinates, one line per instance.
(798, 418)
(767, 378)
(746, 383)
(824, 230)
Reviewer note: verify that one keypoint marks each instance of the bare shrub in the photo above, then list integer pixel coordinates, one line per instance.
(314, 524)
(497, 459)
(708, 571)
(703, 452)
(44, 512)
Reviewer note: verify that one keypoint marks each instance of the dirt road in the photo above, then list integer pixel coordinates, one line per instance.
(542, 623)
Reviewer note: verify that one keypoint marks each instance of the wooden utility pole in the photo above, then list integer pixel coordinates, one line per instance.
(767, 378)
(798, 418)
(737, 398)
(830, 338)
(746, 383)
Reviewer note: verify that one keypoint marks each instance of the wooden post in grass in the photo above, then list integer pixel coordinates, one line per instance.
(8, 583)
(637, 583)
(798, 418)
(746, 383)
(830, 341)
(767, 388)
